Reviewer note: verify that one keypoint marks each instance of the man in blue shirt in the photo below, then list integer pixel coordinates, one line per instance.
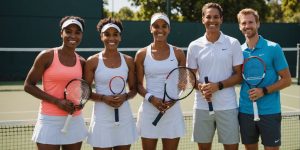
(267, 94)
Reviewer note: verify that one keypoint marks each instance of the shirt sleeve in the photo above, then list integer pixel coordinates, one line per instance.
(237, 53)
(192, 57)
(279, 60)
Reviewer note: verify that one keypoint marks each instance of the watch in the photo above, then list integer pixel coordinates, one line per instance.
(265, 90)
(221, 86)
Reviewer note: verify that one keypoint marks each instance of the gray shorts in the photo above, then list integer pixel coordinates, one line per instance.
(225, 121)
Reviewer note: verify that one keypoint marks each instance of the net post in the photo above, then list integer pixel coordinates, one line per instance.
(297, 66)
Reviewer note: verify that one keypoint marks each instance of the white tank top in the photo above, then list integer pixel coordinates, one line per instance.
(156, 71)
(103, 75)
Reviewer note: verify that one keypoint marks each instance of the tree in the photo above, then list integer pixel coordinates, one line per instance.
(190, 10)
(291, 11)
(275, 14)
(125, 13)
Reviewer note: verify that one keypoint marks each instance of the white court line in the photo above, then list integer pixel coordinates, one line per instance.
(291, 108)
(18, 112)
(288, 95)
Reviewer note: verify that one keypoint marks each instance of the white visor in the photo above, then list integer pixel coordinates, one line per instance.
(110, 25)
(160, 16)
(72, 21)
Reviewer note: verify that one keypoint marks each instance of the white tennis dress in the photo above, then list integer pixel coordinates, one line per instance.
(171, 124)
(102, 131)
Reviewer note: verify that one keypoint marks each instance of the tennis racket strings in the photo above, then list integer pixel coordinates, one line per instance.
(253, 71)
(180, 83)
(117, 85)
(78, 92)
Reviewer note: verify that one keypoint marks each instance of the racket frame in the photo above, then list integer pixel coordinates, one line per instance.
(81, 105)
(159, 116)
(116, 110)
(255, 107)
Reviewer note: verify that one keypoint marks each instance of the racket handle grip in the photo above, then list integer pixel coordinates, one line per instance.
(210, 106)
(206, 79)
(211, 109)
(117, 123)
(66, 125)
(158, 117)
(255, 110)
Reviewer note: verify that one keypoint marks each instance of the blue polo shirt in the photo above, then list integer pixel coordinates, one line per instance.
(275, 60)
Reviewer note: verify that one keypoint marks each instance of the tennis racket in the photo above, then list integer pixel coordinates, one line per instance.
(210, 106)
(117, 86)
(253, 72)
(78, 91)
(179, 84)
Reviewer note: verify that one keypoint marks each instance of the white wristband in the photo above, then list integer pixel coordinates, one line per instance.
(147, 96)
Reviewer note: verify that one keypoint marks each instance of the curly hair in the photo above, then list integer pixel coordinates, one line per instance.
(105, 21)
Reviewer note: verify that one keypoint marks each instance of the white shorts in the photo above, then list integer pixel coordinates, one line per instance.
(48, 130)
(225, 121)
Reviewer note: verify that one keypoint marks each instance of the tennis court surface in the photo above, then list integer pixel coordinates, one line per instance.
(18, 112)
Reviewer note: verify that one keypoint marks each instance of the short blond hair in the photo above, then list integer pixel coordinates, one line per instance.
(248, 11)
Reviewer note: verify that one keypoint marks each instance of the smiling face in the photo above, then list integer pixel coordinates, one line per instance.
(160, 30)
(71, 36)
(110, 38)
(212, 20)
(248, 25)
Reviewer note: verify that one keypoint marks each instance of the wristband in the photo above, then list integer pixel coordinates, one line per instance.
(265, 90)
(148, 97)
(221, 86)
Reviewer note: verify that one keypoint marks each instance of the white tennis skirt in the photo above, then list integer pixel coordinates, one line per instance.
(170, 126)
(48, 130)
(106, 134)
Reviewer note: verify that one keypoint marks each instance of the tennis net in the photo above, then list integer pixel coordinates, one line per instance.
(15, 135)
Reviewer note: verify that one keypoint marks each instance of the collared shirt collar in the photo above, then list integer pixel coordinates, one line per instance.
(220, 40)
(259, 44)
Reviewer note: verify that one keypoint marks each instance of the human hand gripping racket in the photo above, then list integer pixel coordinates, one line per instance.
(179, 84)
(78, 92)
(117, 86)
(210, 106)
(253, 72)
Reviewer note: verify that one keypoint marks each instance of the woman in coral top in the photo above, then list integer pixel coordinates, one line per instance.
(56, 67)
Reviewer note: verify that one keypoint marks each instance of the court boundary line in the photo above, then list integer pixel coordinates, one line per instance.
(291, 108)
(288, 95)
